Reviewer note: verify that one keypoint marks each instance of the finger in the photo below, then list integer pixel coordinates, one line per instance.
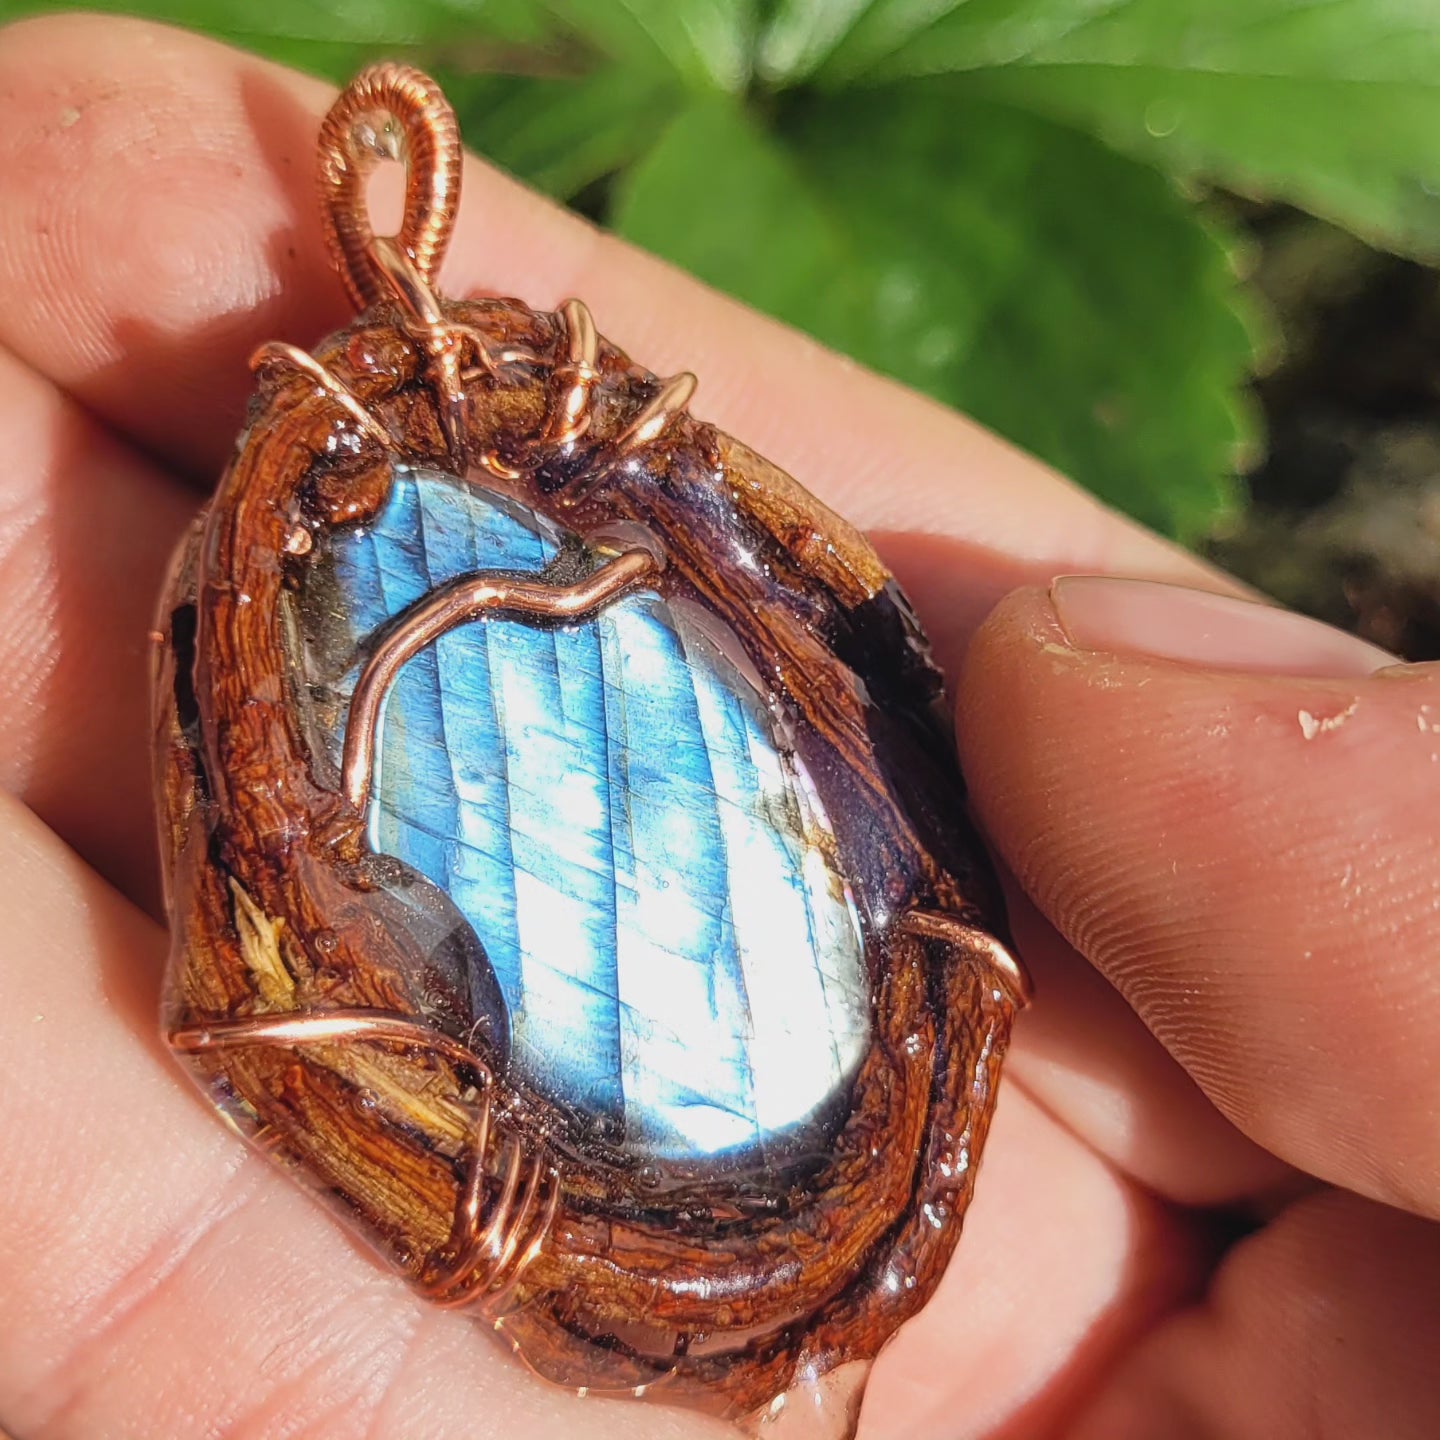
(1061, 1269)
(1322, 1324)
(85, 530)
(160, 220)
(1085, 1055)
(1248, 856)
(158, 1282)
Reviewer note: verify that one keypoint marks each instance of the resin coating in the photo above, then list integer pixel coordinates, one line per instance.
(643, 993)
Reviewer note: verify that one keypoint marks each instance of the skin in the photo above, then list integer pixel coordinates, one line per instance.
(1209, 1199)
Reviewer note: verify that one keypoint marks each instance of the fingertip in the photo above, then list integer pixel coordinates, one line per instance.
(1123, 616)
(1248, 857)
(999, 695)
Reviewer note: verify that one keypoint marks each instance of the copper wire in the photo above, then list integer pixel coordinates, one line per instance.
(575, 377)
(503, 1246)
(441, 345)
(486, 1255)
(395, 112)
(980, 944)
(499, 1297)
(275, 353)
(321, 1026)
(487, 1263)
(647, 425)
(445, 346)
(454, 604)
(389, 112)
(655, 418)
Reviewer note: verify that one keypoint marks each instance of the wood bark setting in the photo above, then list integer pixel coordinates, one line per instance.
(306, 1005)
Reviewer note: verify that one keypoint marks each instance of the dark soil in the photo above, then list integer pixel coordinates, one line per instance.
(1345, 514)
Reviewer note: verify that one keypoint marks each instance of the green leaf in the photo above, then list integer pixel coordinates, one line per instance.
(705, 44)
(849, 39)
(802, 35)
(1062, 294)
(562, 134)
(337, 22)
(1333, 105)
(334, 38)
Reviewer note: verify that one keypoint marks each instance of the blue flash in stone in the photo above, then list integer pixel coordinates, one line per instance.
(612, 809)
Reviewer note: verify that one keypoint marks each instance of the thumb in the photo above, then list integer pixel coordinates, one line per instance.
(1231, 810)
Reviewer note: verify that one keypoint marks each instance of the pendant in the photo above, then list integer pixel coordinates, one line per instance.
(569, 874)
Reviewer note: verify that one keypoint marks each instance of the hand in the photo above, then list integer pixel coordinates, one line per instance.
(1243, 854)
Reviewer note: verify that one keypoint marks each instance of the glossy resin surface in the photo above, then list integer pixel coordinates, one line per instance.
(617, 815)
(642, 994)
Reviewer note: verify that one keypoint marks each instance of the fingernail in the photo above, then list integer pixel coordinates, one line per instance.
(1194, 627)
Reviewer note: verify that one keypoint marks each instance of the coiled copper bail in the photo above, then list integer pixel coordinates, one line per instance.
(390, 112)
(393, 112)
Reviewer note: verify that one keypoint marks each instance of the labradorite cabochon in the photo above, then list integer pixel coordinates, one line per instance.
(651, 880)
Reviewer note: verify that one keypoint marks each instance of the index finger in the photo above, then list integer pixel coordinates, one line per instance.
(160, 221)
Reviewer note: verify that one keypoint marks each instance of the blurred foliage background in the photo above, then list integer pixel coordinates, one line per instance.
(1178, 248)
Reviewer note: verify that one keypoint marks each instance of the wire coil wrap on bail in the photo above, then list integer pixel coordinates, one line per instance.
(389, 112)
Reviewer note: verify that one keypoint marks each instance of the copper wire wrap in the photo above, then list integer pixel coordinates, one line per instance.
(984, 947)
(457, 603)
(394, 112)
(276, 354)
(389, 112)
(487, 1252)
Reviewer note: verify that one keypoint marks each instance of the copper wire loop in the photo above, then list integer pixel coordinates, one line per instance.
(486, 1254)
(389, 112)
(394, 112)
